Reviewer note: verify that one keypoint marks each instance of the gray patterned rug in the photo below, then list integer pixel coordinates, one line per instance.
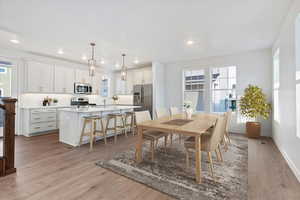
(169, 175)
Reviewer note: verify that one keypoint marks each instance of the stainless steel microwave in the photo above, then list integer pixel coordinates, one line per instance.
(82, 88)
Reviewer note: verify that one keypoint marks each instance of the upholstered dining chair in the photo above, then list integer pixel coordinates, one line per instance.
(226, 138)
(152, 136)
(163, 112)
(174, 111)
(209, 142)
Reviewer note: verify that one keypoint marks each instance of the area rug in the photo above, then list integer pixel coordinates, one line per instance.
(168, 173)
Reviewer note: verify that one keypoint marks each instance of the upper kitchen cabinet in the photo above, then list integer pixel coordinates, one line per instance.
(82, 76)
(147, 75)
(64, 79)
(39, 77)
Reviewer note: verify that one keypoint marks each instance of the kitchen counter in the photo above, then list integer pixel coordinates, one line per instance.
(71, 121)
(45, 107)
(99, 109)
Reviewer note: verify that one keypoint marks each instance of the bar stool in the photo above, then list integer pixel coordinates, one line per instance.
(116, 127)
(130, 122)
(94, 131)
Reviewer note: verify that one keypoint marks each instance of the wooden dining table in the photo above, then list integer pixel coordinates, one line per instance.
(196, 126)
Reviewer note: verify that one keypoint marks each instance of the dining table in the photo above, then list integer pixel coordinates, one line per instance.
(197, 125)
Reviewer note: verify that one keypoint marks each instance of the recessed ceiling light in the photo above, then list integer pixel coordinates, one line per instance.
(83, 57)
(117, 65)
(60, 51)
(190, 42)
(136, 61)
(102, 62)
(15, 41)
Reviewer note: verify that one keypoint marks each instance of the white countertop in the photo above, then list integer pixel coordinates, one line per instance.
(45, 107)
(97, 109)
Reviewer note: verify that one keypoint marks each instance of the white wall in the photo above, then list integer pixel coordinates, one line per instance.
(253, 67)
(284, 132)
(159, 90)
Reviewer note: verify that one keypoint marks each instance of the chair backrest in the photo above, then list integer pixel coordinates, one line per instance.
(218, 133)
(141, 116)
(174, 111)
(162, 112)
(228, 119)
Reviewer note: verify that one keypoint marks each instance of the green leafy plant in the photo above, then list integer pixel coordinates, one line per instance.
(254, 103)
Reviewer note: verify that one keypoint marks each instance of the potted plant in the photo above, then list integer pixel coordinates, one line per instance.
(252, 106)
(188, 109)
(115, 98)
(55, 101)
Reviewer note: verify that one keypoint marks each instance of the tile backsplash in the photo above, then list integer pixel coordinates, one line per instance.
(35, 99)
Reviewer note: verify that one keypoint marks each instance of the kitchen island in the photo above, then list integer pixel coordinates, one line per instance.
(71, 121)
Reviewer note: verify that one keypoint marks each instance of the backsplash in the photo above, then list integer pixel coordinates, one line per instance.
(30, 99)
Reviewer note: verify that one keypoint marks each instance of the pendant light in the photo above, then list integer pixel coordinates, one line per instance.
(124, 69)
(92, 62)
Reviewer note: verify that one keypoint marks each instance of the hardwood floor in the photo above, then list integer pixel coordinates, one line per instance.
(48, 169)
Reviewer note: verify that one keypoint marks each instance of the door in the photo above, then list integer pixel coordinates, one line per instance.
(5, 89)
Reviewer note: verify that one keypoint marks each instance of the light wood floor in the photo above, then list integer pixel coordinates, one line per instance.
(50, 170)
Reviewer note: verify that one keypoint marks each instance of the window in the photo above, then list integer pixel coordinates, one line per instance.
(104, 87)
(223, 89)
(5, 81)
(276, 84)
(194, 88)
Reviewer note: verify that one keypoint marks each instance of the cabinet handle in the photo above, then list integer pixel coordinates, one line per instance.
(37, 127)
(50, 126)
(37, 118)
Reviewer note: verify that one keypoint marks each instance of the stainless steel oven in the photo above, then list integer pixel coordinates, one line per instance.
(82, 88)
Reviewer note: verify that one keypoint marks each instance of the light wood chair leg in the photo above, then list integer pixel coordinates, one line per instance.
(220, 152)
(156, 143)
(228, 137)
(132, 125)
(115, 128)
(171, 138)
(92, 135)
(218, 156)
(166, 141)
(187, 158)
(103, 131)
(124, 128)
(82, 132)
(152, 150)
(211, 164)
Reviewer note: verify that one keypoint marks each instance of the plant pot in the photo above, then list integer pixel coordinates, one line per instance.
(188, 113)
(253, 129)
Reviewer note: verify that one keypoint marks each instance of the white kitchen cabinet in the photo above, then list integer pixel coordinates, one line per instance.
(38, 121)
(120, 84)
(129, 82)
(64, 79)
(39, 77)
(147, 75)
(82, 76)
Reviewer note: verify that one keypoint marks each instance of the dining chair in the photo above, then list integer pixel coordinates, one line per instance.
(163, 112)
(209, 142)
(152, 136)
(174, 111)
(228, 120)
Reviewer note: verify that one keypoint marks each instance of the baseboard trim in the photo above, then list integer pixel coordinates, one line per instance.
(288, 160)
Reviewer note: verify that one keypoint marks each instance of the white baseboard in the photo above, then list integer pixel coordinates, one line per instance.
(290, 163)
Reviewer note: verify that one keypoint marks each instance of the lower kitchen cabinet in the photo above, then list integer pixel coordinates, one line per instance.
(38, 121)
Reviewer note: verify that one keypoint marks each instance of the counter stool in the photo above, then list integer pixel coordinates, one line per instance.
(130, 122)
(94, 131)
(116, 127)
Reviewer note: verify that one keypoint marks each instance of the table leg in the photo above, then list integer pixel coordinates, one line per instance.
(139, 146)
(198, 158)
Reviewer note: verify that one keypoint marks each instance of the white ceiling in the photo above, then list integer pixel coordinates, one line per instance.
(148, 30)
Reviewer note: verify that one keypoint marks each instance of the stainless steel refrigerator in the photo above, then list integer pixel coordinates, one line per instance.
(142, 96)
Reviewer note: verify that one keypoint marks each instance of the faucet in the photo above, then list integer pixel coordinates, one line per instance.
(104, 102)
